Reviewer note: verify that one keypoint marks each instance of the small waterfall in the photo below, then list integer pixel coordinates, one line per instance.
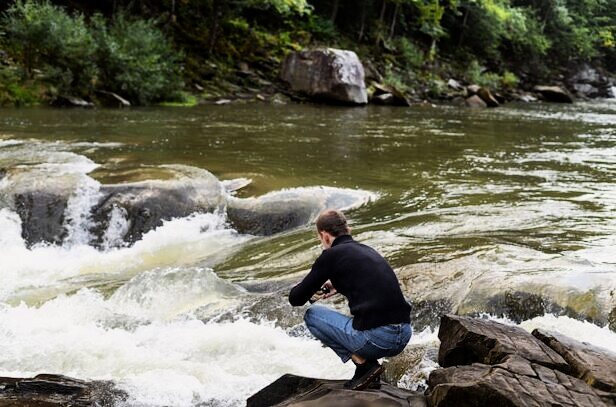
(78, 219)
(612, 92)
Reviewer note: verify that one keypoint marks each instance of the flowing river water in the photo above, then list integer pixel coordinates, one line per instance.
(508, 212)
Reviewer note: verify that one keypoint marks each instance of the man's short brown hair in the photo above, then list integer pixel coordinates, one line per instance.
(333, 222)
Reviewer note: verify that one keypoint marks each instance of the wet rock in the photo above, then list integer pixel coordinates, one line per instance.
(586, 90)
(454, 84)
(475, 102)
(554, 94)
(525, 97)
(42, 216)
(516, 382)
(295, 391)
(71, 101)
(487, 97)
(472, 89)
(110, 99)
(589, 81)
(520, 306)
(383, 99)
(596, 366)
(55, 390)
(612, 320)
(146, 205)
(468, 340)
(267, 222)
(326, 74)
(398, 98)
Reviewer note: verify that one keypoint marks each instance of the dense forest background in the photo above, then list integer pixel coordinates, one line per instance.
(151, 51)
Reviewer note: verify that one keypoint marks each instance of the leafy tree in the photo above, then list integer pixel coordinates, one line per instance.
(136, 59)
(44, 36)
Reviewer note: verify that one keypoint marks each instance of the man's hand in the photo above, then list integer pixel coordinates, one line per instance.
(331, 291)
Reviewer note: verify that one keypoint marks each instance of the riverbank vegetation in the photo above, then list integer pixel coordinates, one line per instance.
(152, 51)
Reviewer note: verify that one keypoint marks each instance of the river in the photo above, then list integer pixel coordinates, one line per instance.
(497, 212)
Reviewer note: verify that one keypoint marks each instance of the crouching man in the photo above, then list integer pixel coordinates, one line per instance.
(380, 325)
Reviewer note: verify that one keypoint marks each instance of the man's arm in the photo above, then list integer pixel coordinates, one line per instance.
(311, 283)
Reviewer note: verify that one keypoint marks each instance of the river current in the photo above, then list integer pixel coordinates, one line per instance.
(475, 210)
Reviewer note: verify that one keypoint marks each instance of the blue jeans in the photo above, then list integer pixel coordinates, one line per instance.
(336, 331)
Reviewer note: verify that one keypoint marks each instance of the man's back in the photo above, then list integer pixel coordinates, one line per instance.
(364, 277)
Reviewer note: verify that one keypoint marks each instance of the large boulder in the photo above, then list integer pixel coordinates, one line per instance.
(55, 390)
(486, 363)
(554, 94)
(594, 365)
(295, 391)
(514, 383)
(473, 340)
(326, 74)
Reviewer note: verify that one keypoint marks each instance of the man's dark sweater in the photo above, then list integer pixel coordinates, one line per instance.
(364, 277)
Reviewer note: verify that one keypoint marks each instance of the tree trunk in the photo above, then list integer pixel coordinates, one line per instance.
(335, 11)
(363, 20)
(383, 8)
(393, 21)
(466, 13)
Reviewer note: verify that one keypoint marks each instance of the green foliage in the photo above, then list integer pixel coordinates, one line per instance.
(509, 80)
(13, 90)
(284, 7)
(41, 35)
(411, 55)
(136, 59)
(394, 80)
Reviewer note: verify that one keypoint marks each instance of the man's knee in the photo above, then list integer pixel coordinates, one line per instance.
(310, 317)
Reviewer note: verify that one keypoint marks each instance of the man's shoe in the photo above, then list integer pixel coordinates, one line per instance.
(365, 375)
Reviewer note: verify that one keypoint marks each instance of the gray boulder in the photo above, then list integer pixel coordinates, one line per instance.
(326, 74)
(475, 102)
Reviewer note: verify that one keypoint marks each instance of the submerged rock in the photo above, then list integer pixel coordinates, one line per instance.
(326, 74)
(554, 94)
(296, 391)
(475, 102)
(42, 216)
(70, 101)
(56, 390)
(110, 99)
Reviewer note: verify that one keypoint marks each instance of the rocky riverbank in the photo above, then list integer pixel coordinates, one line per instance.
(334, 76)
(482, 363)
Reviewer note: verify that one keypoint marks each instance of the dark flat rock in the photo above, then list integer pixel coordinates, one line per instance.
(473, 340)
(295, 391)
(596, 366)
(55, 390)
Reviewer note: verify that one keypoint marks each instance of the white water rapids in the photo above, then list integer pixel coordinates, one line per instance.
(135, 315)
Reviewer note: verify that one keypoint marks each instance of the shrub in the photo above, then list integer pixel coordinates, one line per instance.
(410, 54)
(13, 91)
(136, 60)
(41, 35)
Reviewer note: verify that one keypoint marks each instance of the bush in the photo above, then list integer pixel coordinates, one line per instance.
(136, 60)
(410, 54)
(13, 91)
(41, 35)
